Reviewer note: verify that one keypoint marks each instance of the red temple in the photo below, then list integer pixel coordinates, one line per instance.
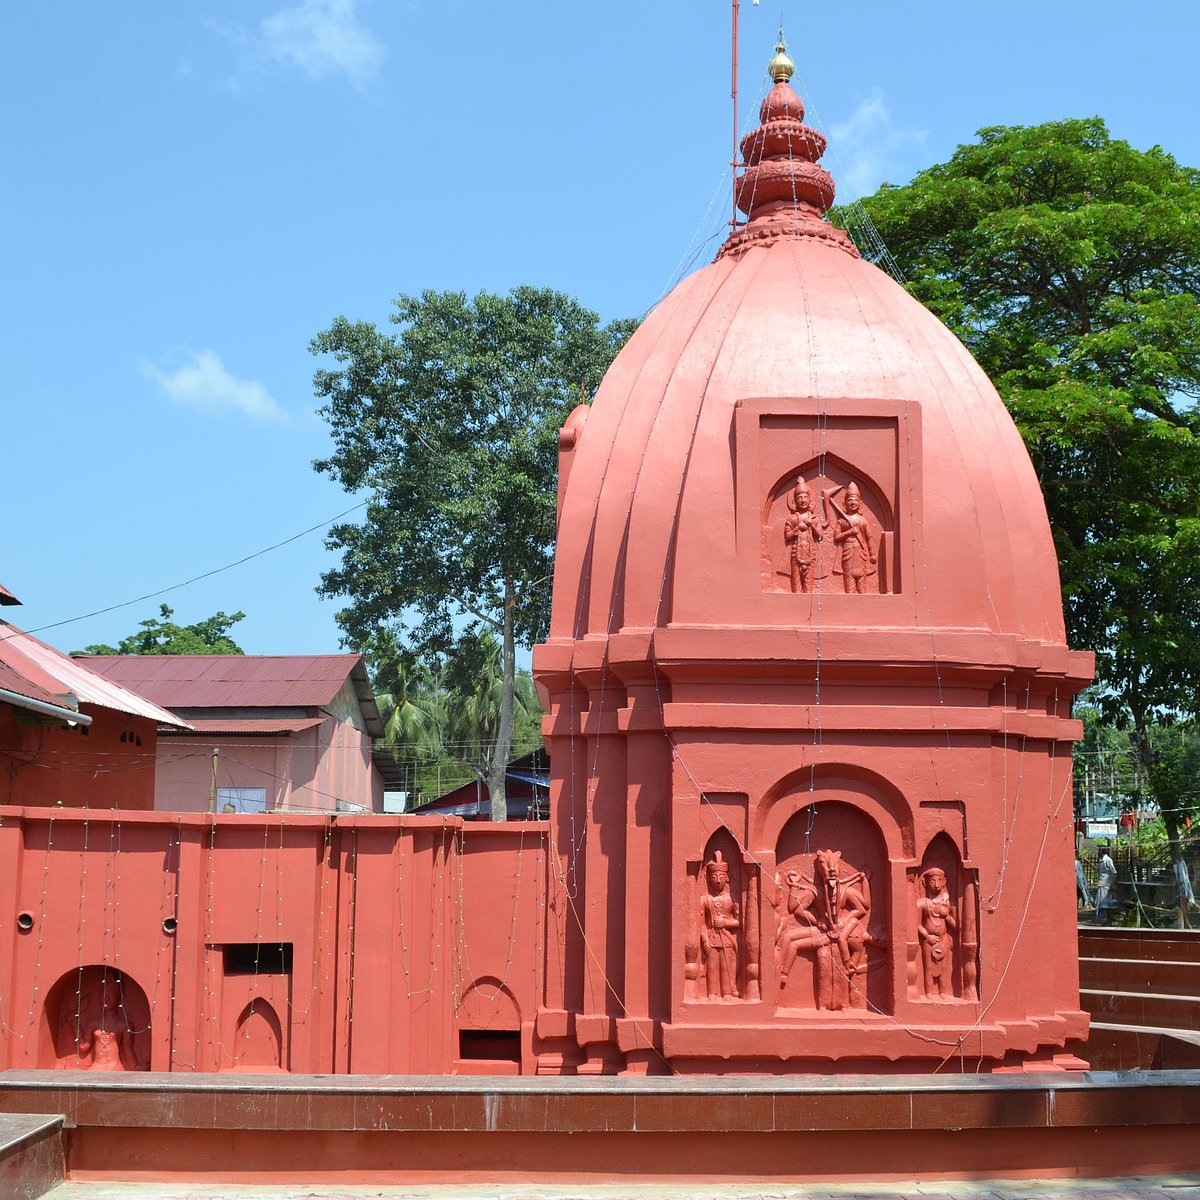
(808, 680)
(809, 722)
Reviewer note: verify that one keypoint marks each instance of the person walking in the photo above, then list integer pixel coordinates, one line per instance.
(1107, 877)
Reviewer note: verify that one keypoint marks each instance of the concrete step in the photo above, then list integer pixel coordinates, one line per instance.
(1139, 1048)
(1159, 1187)
(1173, 945)
(1156, 1009)
(31, 1155)
(1139, 975)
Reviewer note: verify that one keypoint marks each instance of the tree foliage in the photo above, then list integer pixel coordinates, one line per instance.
(450, 426)
(1069, 264)
(161, 635)
(441, 715)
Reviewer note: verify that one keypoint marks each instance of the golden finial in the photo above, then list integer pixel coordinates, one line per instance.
(781, 68)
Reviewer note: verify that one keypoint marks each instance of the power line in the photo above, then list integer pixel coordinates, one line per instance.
(196, 578)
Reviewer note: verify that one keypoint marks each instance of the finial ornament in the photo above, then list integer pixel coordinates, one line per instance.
(781, 68)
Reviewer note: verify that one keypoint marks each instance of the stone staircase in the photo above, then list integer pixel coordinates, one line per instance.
(31, 1155)
(1142, 988)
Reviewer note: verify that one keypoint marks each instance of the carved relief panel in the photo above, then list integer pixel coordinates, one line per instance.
(830, 927)
(944, 953)
(824, 528)
(824, 488)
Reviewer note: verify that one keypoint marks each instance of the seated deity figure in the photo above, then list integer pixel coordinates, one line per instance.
(801, 533)
(799, 927)
(936, 929)
(105, 1040)
(721, 919)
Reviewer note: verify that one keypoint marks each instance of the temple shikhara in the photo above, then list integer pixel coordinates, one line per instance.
(808, 680)
(808, 696)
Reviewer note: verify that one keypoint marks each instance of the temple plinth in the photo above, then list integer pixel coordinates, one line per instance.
(808, 681)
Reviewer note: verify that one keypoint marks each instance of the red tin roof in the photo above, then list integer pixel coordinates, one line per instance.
(70, 683)
(207, 681)
(230, 680)
(13, 681)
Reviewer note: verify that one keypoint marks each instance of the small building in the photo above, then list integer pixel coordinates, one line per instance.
(68, 736)
(526, 793)
(267, 732)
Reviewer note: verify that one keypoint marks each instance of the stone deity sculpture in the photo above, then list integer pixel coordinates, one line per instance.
(854, 538)
(105, 1042)
(799, 926)
(936, 930)
(801, 533)
(845, 911)
(720, 921)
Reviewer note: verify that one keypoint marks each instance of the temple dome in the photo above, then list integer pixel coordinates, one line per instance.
(788, 356)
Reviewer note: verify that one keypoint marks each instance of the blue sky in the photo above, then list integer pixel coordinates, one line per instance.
(191, 191)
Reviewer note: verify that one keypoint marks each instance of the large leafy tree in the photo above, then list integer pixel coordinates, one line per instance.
(450, 425)
(1069, 263)
(162, 635)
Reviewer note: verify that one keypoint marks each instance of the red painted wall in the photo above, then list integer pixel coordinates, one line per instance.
(108, 764)
(403, 931)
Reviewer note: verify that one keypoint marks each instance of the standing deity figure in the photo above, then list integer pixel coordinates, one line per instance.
(801, 533)
(846, 909)
(936, 929)
(799, 927)
(721, 919)
(853, 537)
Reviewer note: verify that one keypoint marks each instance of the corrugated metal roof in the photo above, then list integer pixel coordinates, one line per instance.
(6, 597)
(230, 680)
(14, 681)
(254, 725)
(55, 672)
(243, 680)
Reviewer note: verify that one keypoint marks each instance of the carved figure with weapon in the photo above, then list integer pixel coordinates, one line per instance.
(853, 536)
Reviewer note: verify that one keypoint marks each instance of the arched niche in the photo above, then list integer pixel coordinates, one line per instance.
(258, 1038)
(877, 798)
(722, 948)
(96, 1018)
(826, 473)
(831, 911)
(489, 1004)
(489, 1025)
(944, 949)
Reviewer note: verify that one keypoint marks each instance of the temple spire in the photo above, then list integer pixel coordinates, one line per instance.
(781, 68)
(783, 190)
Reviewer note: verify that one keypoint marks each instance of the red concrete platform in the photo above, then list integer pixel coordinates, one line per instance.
(710, 1133)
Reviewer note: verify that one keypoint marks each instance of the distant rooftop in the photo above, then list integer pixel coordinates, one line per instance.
(241, 681)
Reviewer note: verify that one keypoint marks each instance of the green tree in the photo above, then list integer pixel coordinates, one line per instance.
(441, 716)
(450, 426)
(164, 636)
(1069, 264)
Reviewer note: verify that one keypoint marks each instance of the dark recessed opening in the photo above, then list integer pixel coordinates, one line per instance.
(496, 1044)
(257, 958)
(25, 921)
(170, 925)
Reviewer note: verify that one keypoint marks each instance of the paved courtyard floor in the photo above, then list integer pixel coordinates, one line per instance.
(1156, 1188)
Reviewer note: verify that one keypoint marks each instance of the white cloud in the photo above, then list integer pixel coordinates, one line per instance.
(320, 38)
(204, 384)
(866, 146)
